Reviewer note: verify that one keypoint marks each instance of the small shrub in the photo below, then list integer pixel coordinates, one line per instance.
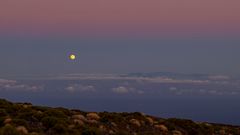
(3, 113)
(26, 114)
(8, 130)
(60, 128)
(64, 111)
(49, 122)
(90, 131)
(40, 108)
(122, 133)
(2, 121)
(20, 122)
(4, 103)
(104, 119)
(54, 113)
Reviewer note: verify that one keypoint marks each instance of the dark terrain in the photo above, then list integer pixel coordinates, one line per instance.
(26, 119)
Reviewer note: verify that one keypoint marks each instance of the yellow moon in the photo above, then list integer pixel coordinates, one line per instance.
(72, 57)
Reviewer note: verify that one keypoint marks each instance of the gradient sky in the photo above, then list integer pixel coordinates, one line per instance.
(119, 36)
(123, 36)
(50, 56)
(121, 18)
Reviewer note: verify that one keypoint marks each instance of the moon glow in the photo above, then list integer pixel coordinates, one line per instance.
(72, 57)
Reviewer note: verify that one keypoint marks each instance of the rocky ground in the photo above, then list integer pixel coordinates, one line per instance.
(26, 119)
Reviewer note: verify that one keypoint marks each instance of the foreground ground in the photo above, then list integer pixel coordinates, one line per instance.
(26, 119)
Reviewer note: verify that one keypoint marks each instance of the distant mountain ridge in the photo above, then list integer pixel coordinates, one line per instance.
(169, 74)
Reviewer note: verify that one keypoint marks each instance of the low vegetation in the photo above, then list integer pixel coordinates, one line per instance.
(26, 119)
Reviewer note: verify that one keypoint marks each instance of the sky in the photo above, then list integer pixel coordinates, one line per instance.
(112, 38)
(124, 36)
(119, 18)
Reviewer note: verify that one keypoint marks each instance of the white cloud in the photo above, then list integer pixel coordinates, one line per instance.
(5, 81)
(219, 77)
(172, 88)
(216, 92)
(170, 80)
(202, 91)
(120, 90)
(122, 77)
(234, 93)
(140, 92)
(125, 90)
(80, 87)
(14, 85)
(34, 88)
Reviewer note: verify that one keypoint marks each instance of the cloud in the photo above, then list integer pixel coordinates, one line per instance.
(170, 80)
(127, 78)
(219, 77)
(24, 87)
(126, 90)
(120, 90)
(201, 91)
(172, 88)
(14, 85)
(140, 92)
(80, 88)
(5, 81)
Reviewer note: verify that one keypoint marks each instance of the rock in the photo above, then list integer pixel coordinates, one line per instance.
(7, 121)
(155, 122)
(143, 114)
(93, 116)
(160, 121)
(127, 127)
(176, 132)
(71, 126)
(102, 128)
(162, 128)
(34, 133)
(113, 124)
(79, 117)
(134, 133)
(135, 122)
(79, 122)
(22, 129)
(26, 106)
(39, 112)
(142, 122)
(150, 120)
(222, 132)
(92, 121)
(207, 124)
(111, 132)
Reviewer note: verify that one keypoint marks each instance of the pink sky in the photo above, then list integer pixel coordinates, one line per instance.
(143, 17)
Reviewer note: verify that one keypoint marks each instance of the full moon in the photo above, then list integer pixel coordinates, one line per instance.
(72, 57)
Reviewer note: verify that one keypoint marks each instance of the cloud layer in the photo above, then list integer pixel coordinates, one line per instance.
(13, 85)
(80, 88)
(122, 84)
